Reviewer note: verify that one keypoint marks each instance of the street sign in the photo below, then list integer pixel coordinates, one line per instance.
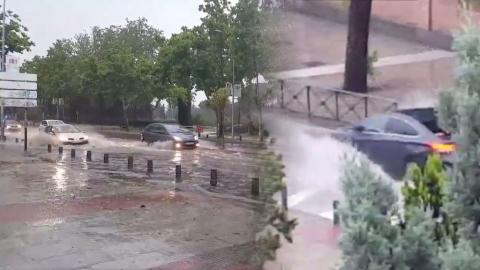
(18, 94)
(24, 103)
(18, 85)
(23, 77)
(18, 89)
(237, 90)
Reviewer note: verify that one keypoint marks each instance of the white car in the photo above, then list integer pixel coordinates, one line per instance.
(45, 123)
(67, 134)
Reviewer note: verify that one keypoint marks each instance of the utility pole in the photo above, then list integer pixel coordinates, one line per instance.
(3, 69)
(233, 94)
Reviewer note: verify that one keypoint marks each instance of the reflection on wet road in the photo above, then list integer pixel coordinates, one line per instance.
(63, 212)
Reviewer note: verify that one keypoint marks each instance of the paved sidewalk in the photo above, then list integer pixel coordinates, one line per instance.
(382, 62)
(315, 246)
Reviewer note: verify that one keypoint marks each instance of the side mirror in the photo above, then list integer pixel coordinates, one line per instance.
(359, 128)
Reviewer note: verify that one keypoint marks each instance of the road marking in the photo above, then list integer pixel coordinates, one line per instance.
(382, 62)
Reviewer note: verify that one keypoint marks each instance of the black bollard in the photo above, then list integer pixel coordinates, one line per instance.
(49, 148)
(105, 158)
(336, 216)
(25, 139)
(130, 163)
(72, 153)
(206, 136)
(255, 186)
(150, 166)
(89, 155)
(16, 140)
(60, 150)
(240, 138)
(178, 173)
(213, 178)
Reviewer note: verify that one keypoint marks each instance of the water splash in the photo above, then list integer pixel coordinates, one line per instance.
(313, 164)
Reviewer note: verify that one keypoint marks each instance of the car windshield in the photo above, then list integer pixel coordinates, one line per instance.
(178, 129)
(66, 129)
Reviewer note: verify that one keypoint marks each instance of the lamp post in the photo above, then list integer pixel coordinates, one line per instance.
(3, 68)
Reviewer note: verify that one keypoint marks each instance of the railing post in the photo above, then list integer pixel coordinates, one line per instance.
(282, 95)
(308, 102)
(337, 111)
(366, 106)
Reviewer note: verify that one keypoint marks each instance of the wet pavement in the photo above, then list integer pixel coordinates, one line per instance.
(59, 212)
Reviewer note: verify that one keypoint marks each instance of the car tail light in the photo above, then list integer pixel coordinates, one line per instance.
(442, 148)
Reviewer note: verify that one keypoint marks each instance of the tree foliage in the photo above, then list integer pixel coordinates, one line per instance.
(16, 37)
(425, 187)
(370, 240)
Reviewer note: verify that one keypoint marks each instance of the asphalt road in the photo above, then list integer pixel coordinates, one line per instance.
(64, 212)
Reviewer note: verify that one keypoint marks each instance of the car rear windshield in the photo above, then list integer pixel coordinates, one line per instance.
(56, 122)
(66, 129)
(426, 116)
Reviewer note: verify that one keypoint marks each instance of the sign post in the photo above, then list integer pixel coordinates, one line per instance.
(18, 90)
(2, 121)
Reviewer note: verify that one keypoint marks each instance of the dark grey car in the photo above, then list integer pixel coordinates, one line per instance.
(180, 137)
(397, 139)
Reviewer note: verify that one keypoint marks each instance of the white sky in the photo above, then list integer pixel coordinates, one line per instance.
(49, 20)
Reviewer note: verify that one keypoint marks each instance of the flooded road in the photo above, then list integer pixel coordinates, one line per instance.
(64, 212)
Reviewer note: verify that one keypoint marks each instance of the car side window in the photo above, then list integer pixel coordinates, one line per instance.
(157, 129)
(400, 127)
(375, 124)
(44, 123)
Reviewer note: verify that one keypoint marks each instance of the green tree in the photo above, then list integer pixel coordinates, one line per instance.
(370, 240)
(110, 70)
(16, 37)
(459, 113)
(218, 101)
(425, 187)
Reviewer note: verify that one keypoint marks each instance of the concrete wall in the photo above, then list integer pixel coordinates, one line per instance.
(427, 21)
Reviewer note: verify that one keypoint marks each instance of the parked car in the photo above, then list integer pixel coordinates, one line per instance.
(394, 140)
(12, 126)
(67, 134)
(46, 123)
(179, 136)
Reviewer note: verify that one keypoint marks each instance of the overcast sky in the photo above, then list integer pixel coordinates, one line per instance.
(49, 20)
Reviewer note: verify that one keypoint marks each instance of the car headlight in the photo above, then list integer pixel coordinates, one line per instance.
(195, 138)
(177, 139)
(85, 137)
(62, 138)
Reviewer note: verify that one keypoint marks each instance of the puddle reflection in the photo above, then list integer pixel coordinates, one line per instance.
(60, 177)
(177, 158)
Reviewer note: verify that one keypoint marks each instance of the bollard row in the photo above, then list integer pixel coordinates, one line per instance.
(255, 184)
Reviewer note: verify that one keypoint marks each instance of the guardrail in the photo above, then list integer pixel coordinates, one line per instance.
(336, 104)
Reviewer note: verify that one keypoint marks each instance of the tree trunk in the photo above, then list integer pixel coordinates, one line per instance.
(356, 64)
(184, 112)
(125, 113)
(220, 123)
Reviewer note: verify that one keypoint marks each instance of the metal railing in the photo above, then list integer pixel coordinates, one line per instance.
(336, 104)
